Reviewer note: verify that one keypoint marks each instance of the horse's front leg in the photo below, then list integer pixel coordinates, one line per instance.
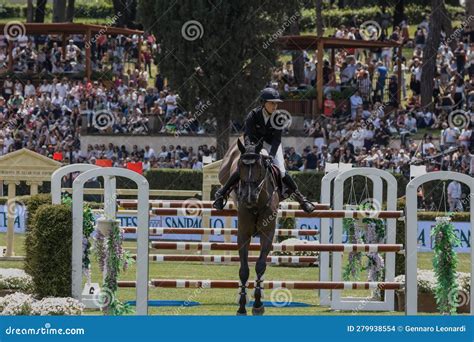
(266, 245)
(243, 241)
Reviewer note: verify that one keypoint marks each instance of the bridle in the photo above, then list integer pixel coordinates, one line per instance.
(250, 159)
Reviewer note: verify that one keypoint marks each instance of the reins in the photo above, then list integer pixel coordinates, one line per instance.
(261, 184)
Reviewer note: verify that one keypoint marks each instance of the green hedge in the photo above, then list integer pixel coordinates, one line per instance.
(175, 179)
(48, 257)
(13, 11)
(92, 10)
(82, 10)
(335, 17)
(332, 17)
(310, 185)
(32, 204)
(168, 179)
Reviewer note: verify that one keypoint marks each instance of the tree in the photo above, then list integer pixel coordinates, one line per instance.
(297, 55)
(125, 11)
(469, 13)
(59, 11)
(430, 51)
(399, 13)
(447, 27)
(218, 52)
(29, 11)
(40, 10)
(293, 16)
(70, 11)
(319, 18)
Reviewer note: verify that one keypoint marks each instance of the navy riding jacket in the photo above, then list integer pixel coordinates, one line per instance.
(256, 131)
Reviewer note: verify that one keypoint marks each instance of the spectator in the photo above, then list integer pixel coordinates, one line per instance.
(171, 104)
(311, 160)
(356, 104)
(454, 196)
(319, 134)
(381, 77)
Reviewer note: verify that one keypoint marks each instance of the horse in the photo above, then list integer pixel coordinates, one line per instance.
(257, 198)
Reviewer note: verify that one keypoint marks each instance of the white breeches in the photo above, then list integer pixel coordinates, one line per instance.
(279, 159)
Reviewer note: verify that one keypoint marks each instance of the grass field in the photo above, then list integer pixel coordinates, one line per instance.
(222, 301)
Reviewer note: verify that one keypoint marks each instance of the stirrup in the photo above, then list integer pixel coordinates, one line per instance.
(221, 200)
(307, 206)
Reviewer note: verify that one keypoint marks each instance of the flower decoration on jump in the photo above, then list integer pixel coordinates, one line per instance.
(365, 230)
(112, 260)
(445, 261)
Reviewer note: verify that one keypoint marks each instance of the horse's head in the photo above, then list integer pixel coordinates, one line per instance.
(252, 174)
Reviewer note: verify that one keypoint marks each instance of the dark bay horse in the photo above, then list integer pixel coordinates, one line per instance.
(257, 201)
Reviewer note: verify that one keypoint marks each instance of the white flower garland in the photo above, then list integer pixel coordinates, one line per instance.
(57, 306)
(16, 304)
(15, 279)
(24, 304)
(427, 280)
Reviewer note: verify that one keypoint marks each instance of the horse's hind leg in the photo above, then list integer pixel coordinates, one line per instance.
(266, 240)
(243, 241)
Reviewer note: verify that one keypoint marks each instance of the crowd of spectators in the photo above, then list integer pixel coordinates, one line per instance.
(51, 117)
(370, 128)
(46, 54)
(166, 157)
(128, 98)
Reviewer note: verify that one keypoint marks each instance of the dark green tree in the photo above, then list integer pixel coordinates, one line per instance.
(399, 13)
(59, 11)
(125, 10)
(70, 10)
(430, 51)
(40, 10)
(220, 52)
(29, 11)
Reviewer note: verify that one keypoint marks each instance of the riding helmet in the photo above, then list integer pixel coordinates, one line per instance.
(270, 95)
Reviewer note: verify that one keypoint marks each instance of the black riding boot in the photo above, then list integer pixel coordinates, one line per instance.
(222, 194)
(305, 204)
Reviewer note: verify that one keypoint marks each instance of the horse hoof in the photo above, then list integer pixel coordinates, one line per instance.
(243, 313)
(258, 311)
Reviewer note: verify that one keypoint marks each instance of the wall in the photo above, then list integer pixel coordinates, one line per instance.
(157, 141)
(185, 140)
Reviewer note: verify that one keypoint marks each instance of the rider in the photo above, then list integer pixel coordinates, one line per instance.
(259, 127)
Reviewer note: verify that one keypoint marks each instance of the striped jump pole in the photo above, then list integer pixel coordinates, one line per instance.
(217, 259)
(294, 285)
(193, 204)
(215, 246)
(218, 231)
(354, 214)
